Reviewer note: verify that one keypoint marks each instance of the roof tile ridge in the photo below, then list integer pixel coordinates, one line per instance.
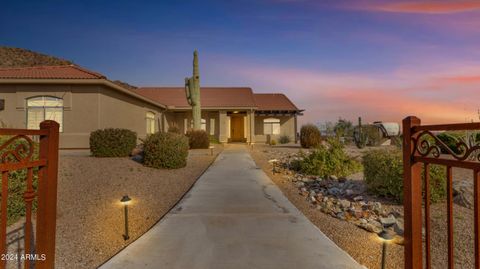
(83, 69)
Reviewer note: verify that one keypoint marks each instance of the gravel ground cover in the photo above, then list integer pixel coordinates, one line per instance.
(90, 217)
(363, 246)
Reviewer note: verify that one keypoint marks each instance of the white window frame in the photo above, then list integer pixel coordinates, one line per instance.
(40, 103)
(212, 126)
(271, 126)
(203, 124)
(150, 122)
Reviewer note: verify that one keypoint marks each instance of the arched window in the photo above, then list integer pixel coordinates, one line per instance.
(44, 108)
(271, 126)
(150, 121)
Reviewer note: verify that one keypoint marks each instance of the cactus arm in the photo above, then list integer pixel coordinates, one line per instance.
(187, 91)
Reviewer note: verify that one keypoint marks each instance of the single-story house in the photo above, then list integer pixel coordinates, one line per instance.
(82, 101)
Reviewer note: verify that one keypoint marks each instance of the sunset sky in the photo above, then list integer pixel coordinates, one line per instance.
(382, 60)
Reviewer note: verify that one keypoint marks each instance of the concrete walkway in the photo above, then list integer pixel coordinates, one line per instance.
(234, 217)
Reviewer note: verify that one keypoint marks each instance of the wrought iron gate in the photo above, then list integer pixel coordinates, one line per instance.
(40, 160)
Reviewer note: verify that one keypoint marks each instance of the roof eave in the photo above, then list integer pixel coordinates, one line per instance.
(104, 82)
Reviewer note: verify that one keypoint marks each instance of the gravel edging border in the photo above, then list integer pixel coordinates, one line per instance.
(169, 209)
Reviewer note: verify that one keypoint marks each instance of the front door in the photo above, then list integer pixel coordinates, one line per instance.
(237, 132)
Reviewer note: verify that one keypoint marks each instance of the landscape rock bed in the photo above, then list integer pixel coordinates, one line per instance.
(364, 246)
(342, 198)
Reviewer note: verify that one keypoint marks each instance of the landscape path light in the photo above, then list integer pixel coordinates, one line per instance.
(125, 201)
(386, 237)
(274, 164)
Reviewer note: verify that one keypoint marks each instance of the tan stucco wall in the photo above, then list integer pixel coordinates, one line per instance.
(178, 119)
(117, 110)
(86, 108)
(287, 127)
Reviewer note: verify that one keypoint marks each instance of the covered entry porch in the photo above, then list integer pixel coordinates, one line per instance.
(237, 126)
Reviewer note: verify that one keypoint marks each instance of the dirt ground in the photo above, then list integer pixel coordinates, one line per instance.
(90, 217)
(365, 247)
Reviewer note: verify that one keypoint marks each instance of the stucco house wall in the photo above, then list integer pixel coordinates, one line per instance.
(287, 127)
(86, 109)
(177, 118)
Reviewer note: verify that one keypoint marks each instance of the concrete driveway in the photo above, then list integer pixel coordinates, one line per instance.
(234, 217)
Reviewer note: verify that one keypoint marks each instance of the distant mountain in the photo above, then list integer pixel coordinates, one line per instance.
(17, 57)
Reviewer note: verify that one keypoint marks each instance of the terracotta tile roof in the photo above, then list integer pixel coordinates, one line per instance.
(49, 72)
(210, 96)
(273, 101)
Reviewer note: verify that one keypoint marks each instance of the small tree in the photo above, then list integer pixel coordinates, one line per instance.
(343, 128)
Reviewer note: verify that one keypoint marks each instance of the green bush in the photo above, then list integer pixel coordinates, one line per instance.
(310, 136)
(165, 150)
(326, 161)
(450, 140)
(374, 135)
(174, 129)
(273, 142)
(112, 142)
(383, 170)
(284, 139)
(198, 139)
(17, 183)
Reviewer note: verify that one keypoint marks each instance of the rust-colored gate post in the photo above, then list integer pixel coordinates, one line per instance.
(47, 196)
(412, 198)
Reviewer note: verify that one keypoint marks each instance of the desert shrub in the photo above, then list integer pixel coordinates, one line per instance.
(374, 135)
(477, 137)
(309, 136)
(397, 141)
(273, 142)
(174, 129)
(451, 140)
(112, 142)
(165, 150)
(343, 128)
(284, 139)
(328, 160)
(383, 170)
(198, 139)
(17, 183)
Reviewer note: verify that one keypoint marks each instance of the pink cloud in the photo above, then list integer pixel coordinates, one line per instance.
(464, 79)
(435, 97)
(430, 7)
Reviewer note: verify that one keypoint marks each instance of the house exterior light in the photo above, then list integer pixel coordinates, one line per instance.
(386, 237)
(125, 201)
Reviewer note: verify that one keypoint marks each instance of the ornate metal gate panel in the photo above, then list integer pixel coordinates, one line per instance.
(40, 160)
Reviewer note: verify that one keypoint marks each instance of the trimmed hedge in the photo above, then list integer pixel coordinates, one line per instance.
(383, 170)
(112, 142)
(165, 150)
(310, 136)
(198, 139)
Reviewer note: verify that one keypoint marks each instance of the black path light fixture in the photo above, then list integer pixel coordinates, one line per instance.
(386, 236)
(274, 165)
(125, 201)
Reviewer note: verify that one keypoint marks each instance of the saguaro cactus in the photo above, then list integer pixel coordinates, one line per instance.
(360, 136)
(192, 90)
